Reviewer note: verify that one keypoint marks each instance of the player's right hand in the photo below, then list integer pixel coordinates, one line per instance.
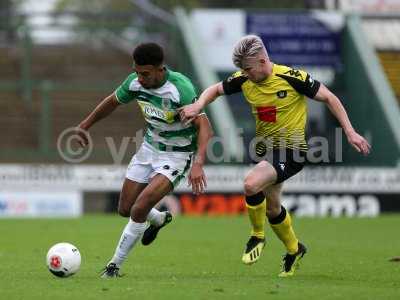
(188, 113)
(359, 143)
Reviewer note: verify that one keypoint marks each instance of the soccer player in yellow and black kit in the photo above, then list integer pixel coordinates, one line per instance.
(276, 95)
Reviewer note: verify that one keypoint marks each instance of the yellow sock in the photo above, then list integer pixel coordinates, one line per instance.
(257, 218)
(284, 231)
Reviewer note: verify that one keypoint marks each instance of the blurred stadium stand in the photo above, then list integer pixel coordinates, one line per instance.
(391, 63)
(371, 102)
(384, 33)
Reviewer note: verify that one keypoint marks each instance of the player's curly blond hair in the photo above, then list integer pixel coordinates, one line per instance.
(248, 46)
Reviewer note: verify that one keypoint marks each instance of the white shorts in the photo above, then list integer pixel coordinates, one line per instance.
(148, 162)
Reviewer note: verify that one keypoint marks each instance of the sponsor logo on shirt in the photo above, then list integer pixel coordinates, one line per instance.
(150, 111)
(267, 113)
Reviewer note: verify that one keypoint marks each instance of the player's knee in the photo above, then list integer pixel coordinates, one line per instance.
(250, 187)
(123, 212)
(139, 212)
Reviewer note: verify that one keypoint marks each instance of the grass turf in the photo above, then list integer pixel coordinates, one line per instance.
(200, 258)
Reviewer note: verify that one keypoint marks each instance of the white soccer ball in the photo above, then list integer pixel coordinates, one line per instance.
(63, 259)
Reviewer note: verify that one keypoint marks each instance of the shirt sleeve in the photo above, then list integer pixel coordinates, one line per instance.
(233, 84)
(123, 94)
(301, 81)
(187, 92)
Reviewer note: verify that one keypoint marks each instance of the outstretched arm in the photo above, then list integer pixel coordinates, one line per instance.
(337, 109)
(189, 112)
(106, 107)
(196, 177)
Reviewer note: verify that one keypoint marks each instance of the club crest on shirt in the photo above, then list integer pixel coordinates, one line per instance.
(281, 94)
(166, 103)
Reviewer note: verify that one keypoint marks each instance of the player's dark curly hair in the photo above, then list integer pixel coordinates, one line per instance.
(148, 54)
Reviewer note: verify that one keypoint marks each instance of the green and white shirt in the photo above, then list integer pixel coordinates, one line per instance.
(159, 106)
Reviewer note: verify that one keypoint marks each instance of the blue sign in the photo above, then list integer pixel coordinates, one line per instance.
(304, 39)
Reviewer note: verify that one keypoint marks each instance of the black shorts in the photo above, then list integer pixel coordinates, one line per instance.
(287, 162)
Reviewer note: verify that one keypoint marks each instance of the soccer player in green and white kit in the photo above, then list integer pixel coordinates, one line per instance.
(166, 153)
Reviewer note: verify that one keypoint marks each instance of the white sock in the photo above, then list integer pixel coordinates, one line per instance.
(132, 233)
(155, 217)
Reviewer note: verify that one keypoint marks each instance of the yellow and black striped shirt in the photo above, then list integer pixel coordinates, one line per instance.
(278, 104)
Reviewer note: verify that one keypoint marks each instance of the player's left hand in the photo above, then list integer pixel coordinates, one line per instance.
(359, 143)
(197, 179)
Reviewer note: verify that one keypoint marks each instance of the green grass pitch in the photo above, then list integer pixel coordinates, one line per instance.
(200, 258)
